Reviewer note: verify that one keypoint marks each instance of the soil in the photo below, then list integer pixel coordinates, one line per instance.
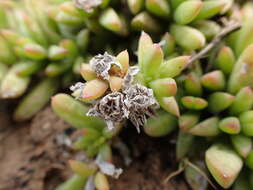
(34, 156)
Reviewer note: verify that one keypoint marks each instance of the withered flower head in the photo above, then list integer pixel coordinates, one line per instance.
(111, 108)
(140, 102)
(101, 64)
(87, 5)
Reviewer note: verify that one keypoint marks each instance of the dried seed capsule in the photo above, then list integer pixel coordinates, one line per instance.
(214, 81)
(219, 101)
(173, 67)
(187, 11)
(224, 164)
(170, 105)
(160, 125)
(192, 84)
(101, 182)
(110, 20)
(159, 8)
(243, 101)
(187, 121)
(168, 44)
(242, 144)
(74, 112)
(76, 182)
(242, 74)
(145, 22)
(208, 27)
(164, 87)
(210, 9)
(12, 85)
(35, 100)
(194, 103)
(246, 120)
(184, 144)
(56, 53)
(230, 125)
(225, 60)
(94, 89)
(82, 169)
(187, 37)
(206, 128)
(135, 6)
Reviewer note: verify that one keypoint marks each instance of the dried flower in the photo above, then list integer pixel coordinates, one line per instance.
(101, 64)
(87, 5)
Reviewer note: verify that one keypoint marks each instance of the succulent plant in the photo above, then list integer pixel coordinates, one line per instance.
(197, 78)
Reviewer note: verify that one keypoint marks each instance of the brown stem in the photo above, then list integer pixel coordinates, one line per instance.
(230, 27)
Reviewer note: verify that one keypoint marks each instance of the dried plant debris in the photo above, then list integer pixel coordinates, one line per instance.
(87, 5)
(101, 64)
(129, 78)
(108, 168)
(134, 103)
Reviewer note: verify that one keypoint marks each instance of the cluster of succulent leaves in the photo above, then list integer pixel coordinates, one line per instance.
(47, 45)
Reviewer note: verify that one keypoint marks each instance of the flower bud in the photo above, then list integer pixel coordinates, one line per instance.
(243, 101)
(159, 8)
(160, 125)
(219, 101)
(224, 164)
(187, 11)
(187, 37)
(194, 103)
(242, 144)
(230, 125)
(164, 87)
(214, 81)
(206, 128)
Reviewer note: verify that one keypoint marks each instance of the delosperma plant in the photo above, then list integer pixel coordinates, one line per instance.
(197, 79)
